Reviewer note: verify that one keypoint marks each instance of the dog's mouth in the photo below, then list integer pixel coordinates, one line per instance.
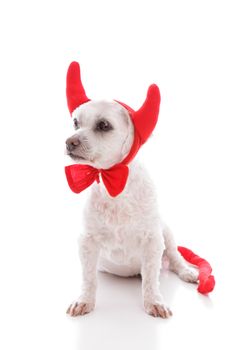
(76, 156)
(79, 158)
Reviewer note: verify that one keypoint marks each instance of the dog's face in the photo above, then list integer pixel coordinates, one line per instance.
(103, 134)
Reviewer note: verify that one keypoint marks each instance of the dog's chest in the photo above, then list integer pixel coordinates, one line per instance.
(121, 241)
(121, 224)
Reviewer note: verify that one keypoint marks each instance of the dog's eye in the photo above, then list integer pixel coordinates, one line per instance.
(103, 125)
(76, 124)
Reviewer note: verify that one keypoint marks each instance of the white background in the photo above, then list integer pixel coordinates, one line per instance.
(123, 46)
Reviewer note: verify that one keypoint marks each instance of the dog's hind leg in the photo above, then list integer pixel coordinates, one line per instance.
(177, 263)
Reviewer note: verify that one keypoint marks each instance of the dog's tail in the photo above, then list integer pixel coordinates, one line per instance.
(206, 280)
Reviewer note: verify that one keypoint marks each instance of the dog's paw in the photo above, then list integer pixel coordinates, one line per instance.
(80, 308)
(157, 310)
(189, 274)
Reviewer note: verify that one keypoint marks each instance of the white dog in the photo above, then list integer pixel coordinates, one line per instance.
(123, 235)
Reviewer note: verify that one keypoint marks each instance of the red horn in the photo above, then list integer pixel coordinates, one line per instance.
(146, 117)
(75, 92)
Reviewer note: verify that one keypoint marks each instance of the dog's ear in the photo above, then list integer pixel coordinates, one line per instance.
(75, 92)
(130, 133)
(146, 117)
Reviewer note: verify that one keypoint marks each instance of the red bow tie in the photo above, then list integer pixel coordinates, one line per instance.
(80, 177)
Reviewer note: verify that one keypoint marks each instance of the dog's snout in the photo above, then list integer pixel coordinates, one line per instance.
(72, 142)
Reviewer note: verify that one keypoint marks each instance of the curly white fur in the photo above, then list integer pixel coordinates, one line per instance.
(123, 235)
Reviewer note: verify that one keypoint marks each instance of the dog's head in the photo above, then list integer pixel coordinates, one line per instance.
(105, 131)
(103, 134)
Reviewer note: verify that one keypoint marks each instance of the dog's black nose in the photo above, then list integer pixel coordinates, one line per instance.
(71, 143)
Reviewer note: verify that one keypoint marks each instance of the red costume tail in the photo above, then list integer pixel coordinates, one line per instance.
(206, 280)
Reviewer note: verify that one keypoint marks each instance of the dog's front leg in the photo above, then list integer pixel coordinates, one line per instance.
(89, 253)
(150, 270)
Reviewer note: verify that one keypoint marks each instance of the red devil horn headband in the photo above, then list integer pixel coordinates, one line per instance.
(75, 92)
(144, 119)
